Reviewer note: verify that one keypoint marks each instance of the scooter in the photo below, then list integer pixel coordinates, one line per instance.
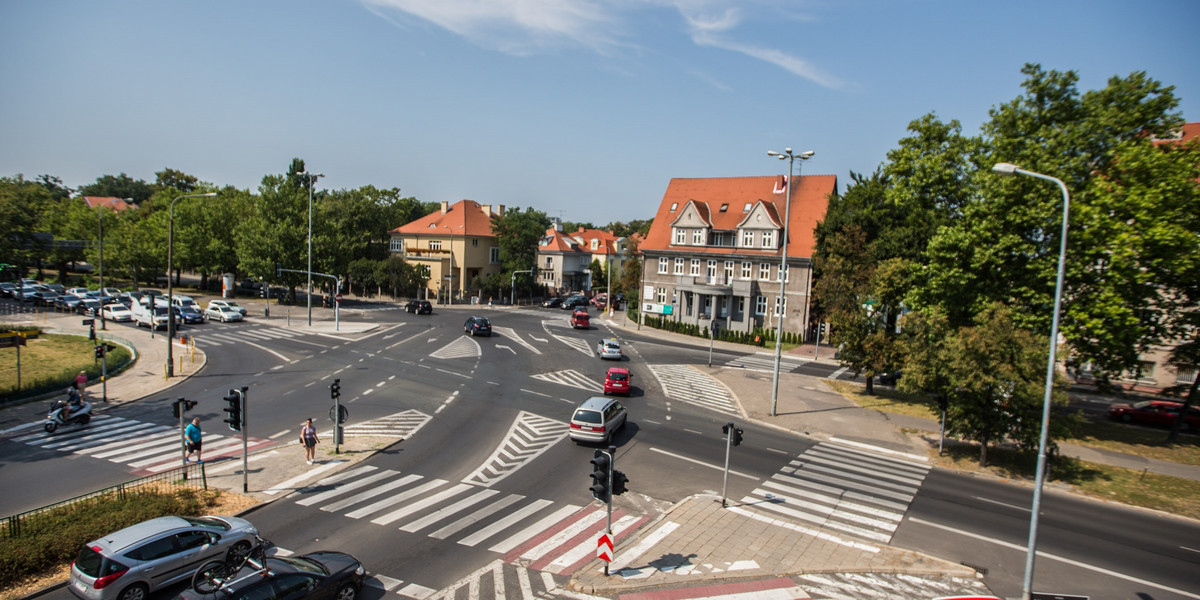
(61, 414)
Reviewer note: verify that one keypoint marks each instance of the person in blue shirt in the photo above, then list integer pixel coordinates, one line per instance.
(193, 435)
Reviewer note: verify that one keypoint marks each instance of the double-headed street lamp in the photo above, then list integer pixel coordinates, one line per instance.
(311, 178)
(170, 287)
(1031, 549)
(787, 211)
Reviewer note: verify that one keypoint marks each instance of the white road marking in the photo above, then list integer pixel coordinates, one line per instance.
(703, 464)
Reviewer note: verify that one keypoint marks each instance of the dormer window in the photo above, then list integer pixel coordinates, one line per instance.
(680, 236)
(768, 239)
(674, 205)
(697, 237)
(595, 244)
(746, 208)
(725, 207)
(747, 238)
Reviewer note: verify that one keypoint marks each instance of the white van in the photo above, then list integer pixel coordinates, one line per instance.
(182, 301)
(143, 316)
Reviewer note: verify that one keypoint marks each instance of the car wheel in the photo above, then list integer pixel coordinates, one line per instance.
(237, 552)
(136, 591)
(347, 592)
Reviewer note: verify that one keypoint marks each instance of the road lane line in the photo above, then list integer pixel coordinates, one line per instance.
(703, 464)
(1061, 559)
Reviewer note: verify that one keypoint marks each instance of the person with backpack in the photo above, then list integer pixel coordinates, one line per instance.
(308, 438)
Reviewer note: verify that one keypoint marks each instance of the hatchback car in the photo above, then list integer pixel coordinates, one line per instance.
(89, 306)
(7, 289)
(227, 304)
(554, 302)
(609, 348)
(419, 307)
(574, 301)
(597, 419)
(223, 314)
(117, 312)
(617, 381)
(580, 319)
(189, 314)
(478, 326)
(316, 576)
(130, 563)
(1155, 412)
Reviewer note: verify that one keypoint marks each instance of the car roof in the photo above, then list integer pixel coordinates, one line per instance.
(122, 539)
(618, 370)
(596, 403)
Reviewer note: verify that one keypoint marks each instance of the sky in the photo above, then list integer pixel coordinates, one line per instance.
(582, 109)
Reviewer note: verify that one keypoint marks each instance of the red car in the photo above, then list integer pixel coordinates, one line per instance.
(1155, 412)
(580, 319)
(616, 381)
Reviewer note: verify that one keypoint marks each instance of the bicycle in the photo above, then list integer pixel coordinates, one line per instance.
(216, 574)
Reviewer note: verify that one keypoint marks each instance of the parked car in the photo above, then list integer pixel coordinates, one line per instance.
(110, 291)
(224, 314)
(7, 289)
(323, 575)
(117, 312)
(419, 307)
(617, 381)
(580, 319)
(89, 306)
(226, 303)
(600, 301)
(27, 291)
(554, 302)
(609, 348)
(478, 326)
(574, 301)
(1156, 412)
(130, 563)
(57, 288)
(46, 298)
(188, 314)
(596, 420)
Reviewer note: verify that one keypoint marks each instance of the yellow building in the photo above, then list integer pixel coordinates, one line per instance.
(455, 246)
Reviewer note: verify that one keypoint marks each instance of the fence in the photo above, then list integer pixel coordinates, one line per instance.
(191, 476)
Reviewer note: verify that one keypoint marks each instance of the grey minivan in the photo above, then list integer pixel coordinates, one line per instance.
(597, 419)
(130, 563)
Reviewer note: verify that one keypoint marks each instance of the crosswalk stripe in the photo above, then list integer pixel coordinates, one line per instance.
(505, 523)
(398, 498)
(576, 528)
(371, 493)
(521, 536)
(888, 477)
(475, 517)
(443, 513)
(344, 487)
(587, 548)
(422, 504)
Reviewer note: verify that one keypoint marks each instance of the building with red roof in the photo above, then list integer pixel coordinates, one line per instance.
(712, 257)
(565, 259)
(116, 204)
(454, 245)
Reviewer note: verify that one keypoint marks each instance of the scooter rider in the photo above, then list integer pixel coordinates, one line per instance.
(74, 401)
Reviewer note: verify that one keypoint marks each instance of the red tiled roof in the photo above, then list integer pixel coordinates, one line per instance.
(465, 217)
(607, 239)
(117, 204)
(1187, 133)
(809, 201)
(559, 242)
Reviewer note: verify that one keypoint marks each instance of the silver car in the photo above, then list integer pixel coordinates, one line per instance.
(597, 419)
(131, 563)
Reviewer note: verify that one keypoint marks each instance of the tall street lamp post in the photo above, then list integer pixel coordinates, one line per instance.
(100, 215)
(170, 287)
(787, 211)
(311, 178)
(1039, 478)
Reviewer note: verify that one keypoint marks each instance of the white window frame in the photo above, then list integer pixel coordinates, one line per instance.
(694, 269)
(435, 244)
(729, 271)
(711, 271)
(783, 273)
(760, 305)
(697, 237)
(747, 238)
(664, 265)
(768, 239)
(747, 269)
(660, 295)
(680, 236)
(764, 271)
(679, 265)
(777, 305)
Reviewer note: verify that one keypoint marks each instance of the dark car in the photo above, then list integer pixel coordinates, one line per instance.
(554, 302)
(7, 289)
(478, 326)
(1155, 412)
(419, 307)
(188, 314)
(574, 301)
(323, 575)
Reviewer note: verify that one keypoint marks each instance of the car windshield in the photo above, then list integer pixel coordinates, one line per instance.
(1142, 404)
(304, 564)
(587, 416)
(212, 523)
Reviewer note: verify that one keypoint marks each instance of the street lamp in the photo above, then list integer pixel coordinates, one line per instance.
(787, 211)
(170, 287)
(311, 178)
(1031, 550)
(100, 218)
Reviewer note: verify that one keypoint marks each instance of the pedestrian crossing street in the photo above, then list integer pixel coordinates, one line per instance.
(838, 487)
(404, 424)
(210, 336)
(571, 378)
(538, 534)
(687, 385)
(460, 347)
(144, 447)
(529, 436)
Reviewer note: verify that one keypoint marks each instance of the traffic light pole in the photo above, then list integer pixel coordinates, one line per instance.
(182, 435)
(245, 455)
(612, 455)
(725, 476)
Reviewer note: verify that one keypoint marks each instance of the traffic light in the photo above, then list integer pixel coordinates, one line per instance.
(278, 270)
(175, 408)
(234, 409)
(737, 436)
(600, 485)
(335, 389)
(734, 433)
(618, 483)
(99, 351)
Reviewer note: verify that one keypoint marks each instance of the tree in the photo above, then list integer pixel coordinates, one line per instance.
(517, 234)
(120, 186)
(599, 278)
(176, 180)
(20, 203)
(276, 228)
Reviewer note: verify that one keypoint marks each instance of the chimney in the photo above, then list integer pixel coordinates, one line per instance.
(581, 230)
(557, 224)
(445, 207)
(499, 210)
(487, 209)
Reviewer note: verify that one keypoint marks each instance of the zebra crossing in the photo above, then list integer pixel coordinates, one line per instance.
(236, 335)
(846, 586)
(501, 580)
(687, 385)
(755, 362)
(571, 378)
(529, 436)
(461, 347)
(144, 447)
(861, 493)
(404, 424)
(535, 533)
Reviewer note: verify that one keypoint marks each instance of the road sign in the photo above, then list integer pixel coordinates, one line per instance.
(604, 548)
(338, 298)
(342, 412)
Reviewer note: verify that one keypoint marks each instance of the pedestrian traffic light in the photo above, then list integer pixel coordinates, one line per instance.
(335, 389)
(175, 408)
(262, 291)
(234, 409)
(737, 436)
(618, 483)
(278, 270)
(99, 351)
(600, 484)
(734, 433)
